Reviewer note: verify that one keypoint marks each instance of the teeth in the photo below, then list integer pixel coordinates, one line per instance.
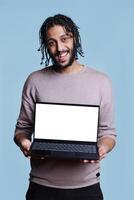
(63, 54)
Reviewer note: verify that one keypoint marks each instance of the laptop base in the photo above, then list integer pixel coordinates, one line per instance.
(64, 149)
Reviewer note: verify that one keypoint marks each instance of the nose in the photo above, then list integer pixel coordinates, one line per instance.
(59, 46)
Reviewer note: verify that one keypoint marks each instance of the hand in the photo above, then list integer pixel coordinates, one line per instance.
(103, 149)
(105, 145)
(25, 146)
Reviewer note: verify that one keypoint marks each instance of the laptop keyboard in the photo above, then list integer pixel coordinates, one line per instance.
(64, 147)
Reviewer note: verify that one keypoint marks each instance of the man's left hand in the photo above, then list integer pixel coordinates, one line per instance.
(105, 145)
(103, 149)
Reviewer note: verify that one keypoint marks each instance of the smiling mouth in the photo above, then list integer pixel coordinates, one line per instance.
(61, 57)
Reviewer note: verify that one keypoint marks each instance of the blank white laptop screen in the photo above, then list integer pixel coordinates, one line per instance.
(66, 122)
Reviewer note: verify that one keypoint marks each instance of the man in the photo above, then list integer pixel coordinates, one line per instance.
(66, 81)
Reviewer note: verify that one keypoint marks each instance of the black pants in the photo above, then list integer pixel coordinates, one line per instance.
(38, 192)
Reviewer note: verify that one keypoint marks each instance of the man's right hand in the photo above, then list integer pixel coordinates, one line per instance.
(24, 142)
(25, 146)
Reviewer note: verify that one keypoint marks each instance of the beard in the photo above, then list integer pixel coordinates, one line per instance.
(58, 66)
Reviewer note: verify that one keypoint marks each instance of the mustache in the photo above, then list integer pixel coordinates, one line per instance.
(60, 52)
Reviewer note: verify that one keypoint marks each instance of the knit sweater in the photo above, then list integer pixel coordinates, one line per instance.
(87, 86)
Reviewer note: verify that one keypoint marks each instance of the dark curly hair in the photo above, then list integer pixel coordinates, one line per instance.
(69, 26)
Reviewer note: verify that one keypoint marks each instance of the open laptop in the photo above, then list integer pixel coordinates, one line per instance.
(65, 131)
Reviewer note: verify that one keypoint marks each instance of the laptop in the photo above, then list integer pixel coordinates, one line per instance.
(64, 130)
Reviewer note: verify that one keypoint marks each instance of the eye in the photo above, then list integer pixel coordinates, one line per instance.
(64, 39)
(51, 43)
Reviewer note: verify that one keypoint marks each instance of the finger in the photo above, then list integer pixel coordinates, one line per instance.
(89, 161)
(25, 145)
(25, 153)
(86, 161)
(94, 161)
(24, 149)
(102, 156)
(102, 152)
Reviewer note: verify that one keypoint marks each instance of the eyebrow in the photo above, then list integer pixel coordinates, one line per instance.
(63, 35)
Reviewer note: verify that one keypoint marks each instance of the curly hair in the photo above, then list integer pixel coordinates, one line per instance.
(69, 26)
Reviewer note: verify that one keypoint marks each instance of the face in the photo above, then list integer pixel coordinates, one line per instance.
(60, 46)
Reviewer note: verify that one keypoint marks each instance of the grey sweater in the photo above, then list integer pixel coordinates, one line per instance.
(87, 86)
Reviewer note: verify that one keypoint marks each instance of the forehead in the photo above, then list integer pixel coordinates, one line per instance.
(55, 32)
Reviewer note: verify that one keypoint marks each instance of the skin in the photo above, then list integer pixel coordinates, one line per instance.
(61, 48)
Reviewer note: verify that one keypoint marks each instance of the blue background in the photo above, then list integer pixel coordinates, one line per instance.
(107, 32)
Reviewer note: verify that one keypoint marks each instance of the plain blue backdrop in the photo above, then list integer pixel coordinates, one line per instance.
(107, 32)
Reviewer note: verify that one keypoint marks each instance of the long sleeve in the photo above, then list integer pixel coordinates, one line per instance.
(25, 122)
(106, 122)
